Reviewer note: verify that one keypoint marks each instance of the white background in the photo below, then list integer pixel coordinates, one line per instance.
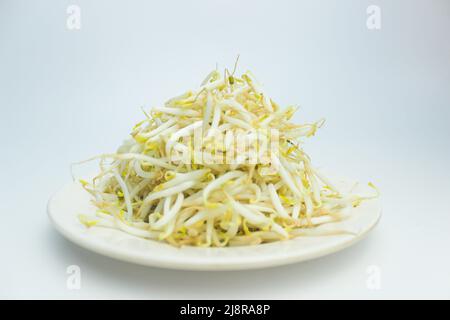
(67, 95)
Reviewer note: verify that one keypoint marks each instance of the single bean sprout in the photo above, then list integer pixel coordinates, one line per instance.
(156, 187)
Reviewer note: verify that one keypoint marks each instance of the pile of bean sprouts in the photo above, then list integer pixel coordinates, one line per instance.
(144, 190)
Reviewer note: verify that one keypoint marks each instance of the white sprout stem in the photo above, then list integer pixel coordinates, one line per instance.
(215, 121)
(218, 182)
(136, 231)
(314, 187)
(126, 194)
(142, 173)
(238, 123)
(213, 85)
(177, 111)
(261, 208)
(182, 96)
(204, 214)
(296, 211)
(309, 207)
(139, 187)
(252, 216)
(183, 177)
(233, 226)
(285, 175)
(209, 77)
(163, 134)
(159, 129)
(276, 201)
(280, 230)
(267, 104)
(164, 193)
(239, 108)
(208, 111)
(186, 131)
(170, 214)
(209, 230)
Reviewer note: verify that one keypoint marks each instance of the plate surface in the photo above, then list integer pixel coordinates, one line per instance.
(64, 207)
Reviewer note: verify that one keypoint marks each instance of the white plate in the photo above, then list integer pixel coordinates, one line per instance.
(72, 200)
